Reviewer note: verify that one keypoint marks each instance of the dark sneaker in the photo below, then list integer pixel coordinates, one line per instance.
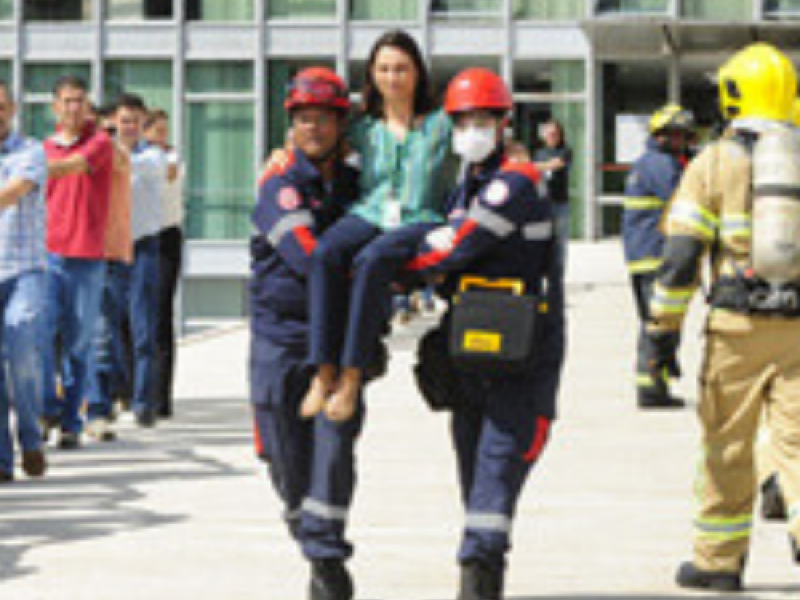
(773, 507)
(100, 429)
(34, 462)
(165, 411)
(146, 419)
(480, 581)
(330, 580)
(795, 550)
(691, 577)
(69, 440)
(48, 425)
(6, 477)
(660, 402)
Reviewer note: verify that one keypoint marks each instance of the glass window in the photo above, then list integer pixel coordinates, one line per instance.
(62, 10)
(280, 74)
(38, 119)
(5, 71)
(220, 150)
(152, 80)
(220, 10)
(460, 9)
(6, 10)
(137, 10)
(383, 10)
(557, 77)
(782, 9)
(549, 9)
(633, 6)
(305, 9)
(720, 10)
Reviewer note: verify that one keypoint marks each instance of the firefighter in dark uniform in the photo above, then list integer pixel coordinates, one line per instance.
(311, 462)
(498, 231)
(651, 183)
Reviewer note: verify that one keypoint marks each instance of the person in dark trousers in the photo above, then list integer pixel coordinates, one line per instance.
(311, 461)
(553, 161)
(498, 231)
(170, 245)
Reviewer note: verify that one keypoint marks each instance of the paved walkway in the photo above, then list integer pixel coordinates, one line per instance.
(184, 512)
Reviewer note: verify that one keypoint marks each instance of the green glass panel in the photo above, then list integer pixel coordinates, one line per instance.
(40, 78)
(572, 115)
(60, 10)
(152, 80)
(304, 9)
(230, 77)
(280, 74)
(721, 10)
(39, 121)
(220, 10)
(137, 10)
(5, 71)
(6, 10)
(633, 6)
(383, 10)
(466, 7)
(219, 149)
(782, 8)
(214, 298)
(568, 76)
(549, 9)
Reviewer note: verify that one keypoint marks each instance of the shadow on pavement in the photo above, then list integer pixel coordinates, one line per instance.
(91, 492)
(750, 594)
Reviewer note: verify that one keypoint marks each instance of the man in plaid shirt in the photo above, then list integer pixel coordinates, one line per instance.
(23, 176)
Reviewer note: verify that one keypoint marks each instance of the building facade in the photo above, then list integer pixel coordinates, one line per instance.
(220, 68)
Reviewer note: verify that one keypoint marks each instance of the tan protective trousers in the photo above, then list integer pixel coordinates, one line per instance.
(751, 371)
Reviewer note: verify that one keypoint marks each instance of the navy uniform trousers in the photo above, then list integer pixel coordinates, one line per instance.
(352, 271)
(498, 437)
(311, 461)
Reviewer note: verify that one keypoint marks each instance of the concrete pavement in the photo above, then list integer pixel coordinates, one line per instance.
(183, 512)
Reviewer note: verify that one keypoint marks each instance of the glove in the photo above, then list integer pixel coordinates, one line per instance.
(441, 238)
(663, 354)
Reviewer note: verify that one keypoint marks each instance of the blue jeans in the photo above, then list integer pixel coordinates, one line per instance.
(135, 299)
(74, 290)
(22, 306)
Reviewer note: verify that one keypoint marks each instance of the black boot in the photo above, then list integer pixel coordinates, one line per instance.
(773, 508)
(330, 581)
(657, 401)
(690, 576)
(480, 581)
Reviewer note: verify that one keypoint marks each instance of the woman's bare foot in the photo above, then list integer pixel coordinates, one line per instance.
(321, 388)
(342, 405)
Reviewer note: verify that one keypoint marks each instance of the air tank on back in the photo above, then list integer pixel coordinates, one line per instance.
(776, 206)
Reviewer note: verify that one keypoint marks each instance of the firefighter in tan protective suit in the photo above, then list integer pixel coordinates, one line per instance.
(738, 204)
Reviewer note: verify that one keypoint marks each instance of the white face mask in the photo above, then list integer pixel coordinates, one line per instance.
(475, 144)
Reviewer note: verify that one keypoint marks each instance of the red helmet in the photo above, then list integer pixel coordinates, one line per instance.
(476, 89)
(317, 86)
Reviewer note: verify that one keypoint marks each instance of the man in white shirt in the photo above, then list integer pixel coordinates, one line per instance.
(137, 285)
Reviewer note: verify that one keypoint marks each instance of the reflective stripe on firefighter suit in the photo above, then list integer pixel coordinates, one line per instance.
(311, 462)
(752, 364)
(649, 187)
(502, 229)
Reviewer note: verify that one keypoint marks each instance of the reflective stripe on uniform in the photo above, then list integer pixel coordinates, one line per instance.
(724, 529)
(703, 223)
(324, 511)
(645, 265)
(489, 522)
(497, 224)
(287, 224)
(737, 225)
(670, 300)
(538, 231)
(644, 203)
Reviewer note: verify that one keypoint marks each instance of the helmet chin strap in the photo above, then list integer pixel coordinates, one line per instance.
(329, 154)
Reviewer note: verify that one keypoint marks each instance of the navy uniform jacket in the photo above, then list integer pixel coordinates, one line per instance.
(504, 230)
(293, 209)
(651, 183)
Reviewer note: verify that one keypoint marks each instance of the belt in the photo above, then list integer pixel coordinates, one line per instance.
(756, 297)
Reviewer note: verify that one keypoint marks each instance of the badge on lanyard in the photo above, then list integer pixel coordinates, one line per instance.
(392, 212)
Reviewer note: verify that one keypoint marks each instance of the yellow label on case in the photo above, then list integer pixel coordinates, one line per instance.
(483, 341)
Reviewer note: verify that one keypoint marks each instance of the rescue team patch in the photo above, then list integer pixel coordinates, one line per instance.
(497, 193)
(289, 199)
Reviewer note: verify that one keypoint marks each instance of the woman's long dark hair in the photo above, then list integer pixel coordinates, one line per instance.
(372, 100)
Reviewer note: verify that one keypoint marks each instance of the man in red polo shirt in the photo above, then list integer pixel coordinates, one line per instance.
(80, 164)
